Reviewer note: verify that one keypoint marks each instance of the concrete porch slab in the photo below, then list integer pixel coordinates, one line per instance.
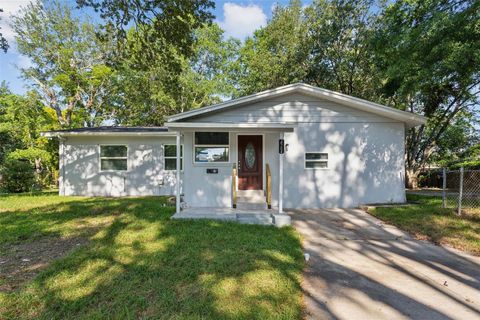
(263, 217)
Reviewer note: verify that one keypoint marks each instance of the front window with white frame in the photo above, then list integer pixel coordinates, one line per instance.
(113, 158)
(316, 160)
(211, 147)
(170, 157)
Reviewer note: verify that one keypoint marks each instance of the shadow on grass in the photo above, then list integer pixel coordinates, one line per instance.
(29, 194)
(144, 265)
(65, 216)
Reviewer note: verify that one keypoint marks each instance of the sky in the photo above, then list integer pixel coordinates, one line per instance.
(239, 19)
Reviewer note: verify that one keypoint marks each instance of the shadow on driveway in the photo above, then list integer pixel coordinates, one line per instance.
(361, 268)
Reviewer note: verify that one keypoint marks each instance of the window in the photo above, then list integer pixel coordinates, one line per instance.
(113, 158)
(316, 160)
(170, 157)
(211, 147)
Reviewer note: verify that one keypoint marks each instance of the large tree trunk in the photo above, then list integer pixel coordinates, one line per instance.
(411, 178)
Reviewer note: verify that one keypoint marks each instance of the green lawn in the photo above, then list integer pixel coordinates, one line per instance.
(137, 263)
(428, 220)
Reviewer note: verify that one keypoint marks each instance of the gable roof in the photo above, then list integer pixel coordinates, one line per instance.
(410, 119)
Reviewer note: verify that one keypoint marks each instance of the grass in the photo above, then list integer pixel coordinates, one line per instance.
(428, 220)
(140, 264)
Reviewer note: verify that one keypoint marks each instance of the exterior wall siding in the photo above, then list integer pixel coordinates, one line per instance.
(366, 155)
(365, 165)
(81, 175)
(294, 108)
(214, 190)
(365, 151)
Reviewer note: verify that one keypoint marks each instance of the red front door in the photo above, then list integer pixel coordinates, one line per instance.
(250, 166)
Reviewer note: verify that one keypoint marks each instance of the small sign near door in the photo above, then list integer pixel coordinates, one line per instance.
(281, 146)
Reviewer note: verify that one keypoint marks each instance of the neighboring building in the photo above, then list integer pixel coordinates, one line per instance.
(340, 151)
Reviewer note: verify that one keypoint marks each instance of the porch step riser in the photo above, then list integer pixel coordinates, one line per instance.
(255, 221)
(252, 218)
(252, 199)
(251, 206)
(250, 193)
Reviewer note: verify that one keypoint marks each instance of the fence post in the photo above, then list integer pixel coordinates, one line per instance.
(444, 189)
(460, 192)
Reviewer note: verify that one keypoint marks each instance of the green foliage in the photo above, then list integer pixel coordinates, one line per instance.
(17, 176)
(32, 155)
(340, 55)
(428, 53)
(166, 28)
(3, 42)
(418, 56)
(326, 44)
(146, 97)
(21, 120)
(69, 68)
(276, 55)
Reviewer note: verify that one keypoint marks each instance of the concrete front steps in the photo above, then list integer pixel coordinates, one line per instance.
(251, 200)
(261, 217)
(275, 219)
(255, 218)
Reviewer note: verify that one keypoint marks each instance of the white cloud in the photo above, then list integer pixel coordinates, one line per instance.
(241, 21)
(9, 7)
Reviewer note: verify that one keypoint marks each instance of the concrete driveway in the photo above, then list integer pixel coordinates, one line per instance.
(360, 268)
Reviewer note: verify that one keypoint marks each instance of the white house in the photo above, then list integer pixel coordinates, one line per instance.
(295, 146)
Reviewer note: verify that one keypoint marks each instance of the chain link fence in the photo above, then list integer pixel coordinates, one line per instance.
(461, 190)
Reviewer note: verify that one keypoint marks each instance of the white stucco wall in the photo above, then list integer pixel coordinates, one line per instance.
(81, 175)
(366, 155)
(215, 190)
(365, 165)
(366, 159)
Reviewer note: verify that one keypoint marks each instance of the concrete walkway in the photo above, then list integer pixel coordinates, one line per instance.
(360, 268)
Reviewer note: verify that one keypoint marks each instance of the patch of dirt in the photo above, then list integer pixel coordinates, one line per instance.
(20, 263)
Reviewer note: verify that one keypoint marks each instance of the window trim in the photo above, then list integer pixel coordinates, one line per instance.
(100, 157)
(305, 160)
(182, 156)
(211, 146)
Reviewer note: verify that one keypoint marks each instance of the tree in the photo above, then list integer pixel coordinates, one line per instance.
(340, 58)
(164, 28)
(326, 44)
(22, 118)
(276, 54)
(429, 55)
(147, 96)
(69, 68)
(3, 42)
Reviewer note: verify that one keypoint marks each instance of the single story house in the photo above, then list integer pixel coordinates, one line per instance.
(296, 146)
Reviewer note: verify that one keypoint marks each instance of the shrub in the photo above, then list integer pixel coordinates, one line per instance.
(17, 176)
(39, 161)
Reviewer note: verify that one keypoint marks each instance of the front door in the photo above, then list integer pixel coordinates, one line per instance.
(250, 166)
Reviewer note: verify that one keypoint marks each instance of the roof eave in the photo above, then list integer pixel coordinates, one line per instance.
(410, 119)
(54, 134)
(198, 126)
